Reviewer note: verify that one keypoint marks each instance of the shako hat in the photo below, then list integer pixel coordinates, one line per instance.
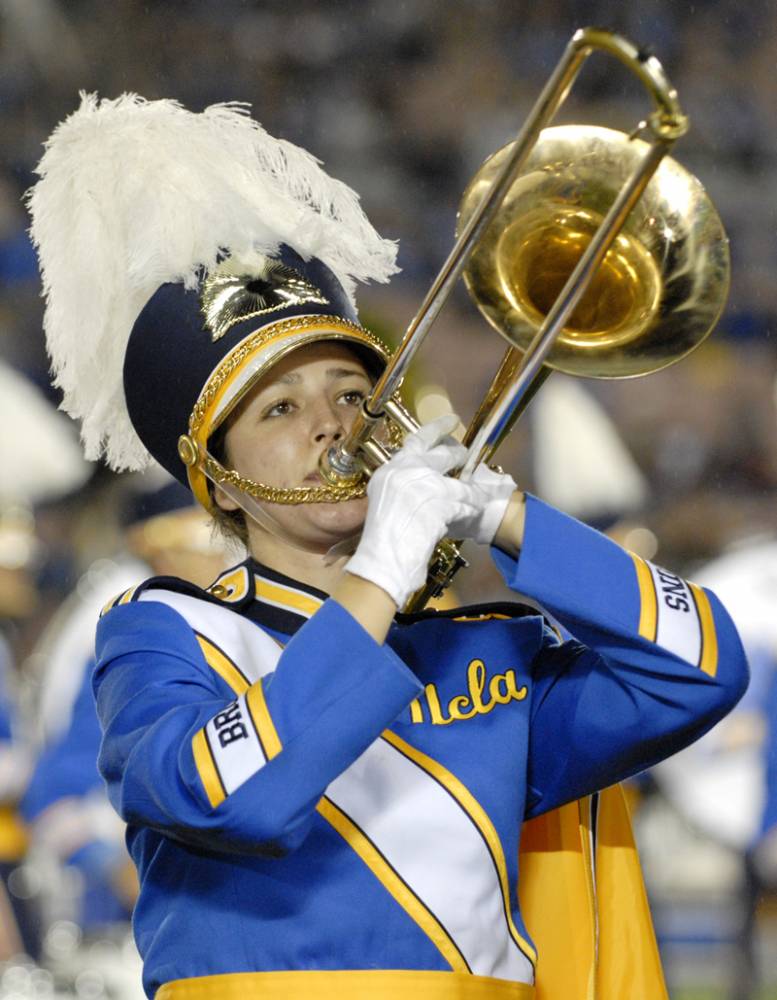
(182, 256)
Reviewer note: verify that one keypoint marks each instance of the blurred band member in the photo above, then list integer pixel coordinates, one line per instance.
(65, 804)
(40, 462)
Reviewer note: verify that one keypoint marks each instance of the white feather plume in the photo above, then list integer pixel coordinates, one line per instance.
(135, 193)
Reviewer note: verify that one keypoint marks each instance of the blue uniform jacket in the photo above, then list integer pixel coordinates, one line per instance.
(301, 798)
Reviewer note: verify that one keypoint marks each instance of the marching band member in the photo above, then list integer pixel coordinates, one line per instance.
(64, 805)
(324, 796)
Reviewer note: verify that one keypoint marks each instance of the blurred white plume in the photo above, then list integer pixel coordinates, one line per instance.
(581, 465)
(39, 454)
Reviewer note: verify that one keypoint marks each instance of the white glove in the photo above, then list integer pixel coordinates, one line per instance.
(496, 489)
(411, 504)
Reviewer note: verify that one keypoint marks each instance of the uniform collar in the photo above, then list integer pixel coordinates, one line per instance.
(271, 599)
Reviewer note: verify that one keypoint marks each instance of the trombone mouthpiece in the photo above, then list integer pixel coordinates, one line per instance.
(338, 468)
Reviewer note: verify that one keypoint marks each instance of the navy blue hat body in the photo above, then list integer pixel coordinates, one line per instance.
(172, 351)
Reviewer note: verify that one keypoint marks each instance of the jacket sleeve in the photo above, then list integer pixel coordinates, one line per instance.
(655, 661)
(238, 774)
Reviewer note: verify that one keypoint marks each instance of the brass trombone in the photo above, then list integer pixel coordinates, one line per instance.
(585, 248)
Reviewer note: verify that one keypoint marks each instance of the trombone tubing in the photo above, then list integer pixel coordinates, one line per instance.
(667, 123)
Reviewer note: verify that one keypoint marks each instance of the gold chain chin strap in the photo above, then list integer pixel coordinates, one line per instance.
(278, 494)
(216, 472)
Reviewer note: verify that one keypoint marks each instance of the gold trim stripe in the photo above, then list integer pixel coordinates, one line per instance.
(108, 606)
(648, 615)
(127, 596)
(394, 885)
(292, 599)
(479, 817)
(254, 723)
(206, 768)
(349, 984)
(218, 661)
(708, 662)
(123, 598)
(265, 727)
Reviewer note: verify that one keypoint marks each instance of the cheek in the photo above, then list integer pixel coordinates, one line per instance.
(269, 458)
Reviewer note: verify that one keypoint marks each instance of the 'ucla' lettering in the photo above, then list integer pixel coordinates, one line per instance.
(501, 688)
(228, 725)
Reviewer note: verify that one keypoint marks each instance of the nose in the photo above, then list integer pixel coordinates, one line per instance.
(327, 426)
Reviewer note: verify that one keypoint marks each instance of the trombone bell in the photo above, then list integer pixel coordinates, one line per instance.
(661, 286)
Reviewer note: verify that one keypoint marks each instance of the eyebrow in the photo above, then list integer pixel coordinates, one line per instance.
(345, 372)
(291, 378)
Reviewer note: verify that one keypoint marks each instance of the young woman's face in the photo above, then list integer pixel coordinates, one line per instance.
(302, 406)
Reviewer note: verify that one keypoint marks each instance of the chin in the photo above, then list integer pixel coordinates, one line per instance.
(317, 527)
(337, 519)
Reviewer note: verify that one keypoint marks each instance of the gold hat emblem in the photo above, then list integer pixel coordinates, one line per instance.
(234, 292)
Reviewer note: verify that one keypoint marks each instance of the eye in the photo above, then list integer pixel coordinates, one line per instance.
(280, 408)
(351, 397)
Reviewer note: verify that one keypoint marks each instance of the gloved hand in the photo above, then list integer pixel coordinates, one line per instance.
(411, 505)
(496, 489)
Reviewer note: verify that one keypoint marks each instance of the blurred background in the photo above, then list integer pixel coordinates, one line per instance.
(403, 101)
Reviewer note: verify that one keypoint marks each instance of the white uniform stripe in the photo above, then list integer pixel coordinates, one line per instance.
(234, 744)
(678, 627)
(592, 841)
(253, 652)
(480, 832)
(434, 846)
(398, 874)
